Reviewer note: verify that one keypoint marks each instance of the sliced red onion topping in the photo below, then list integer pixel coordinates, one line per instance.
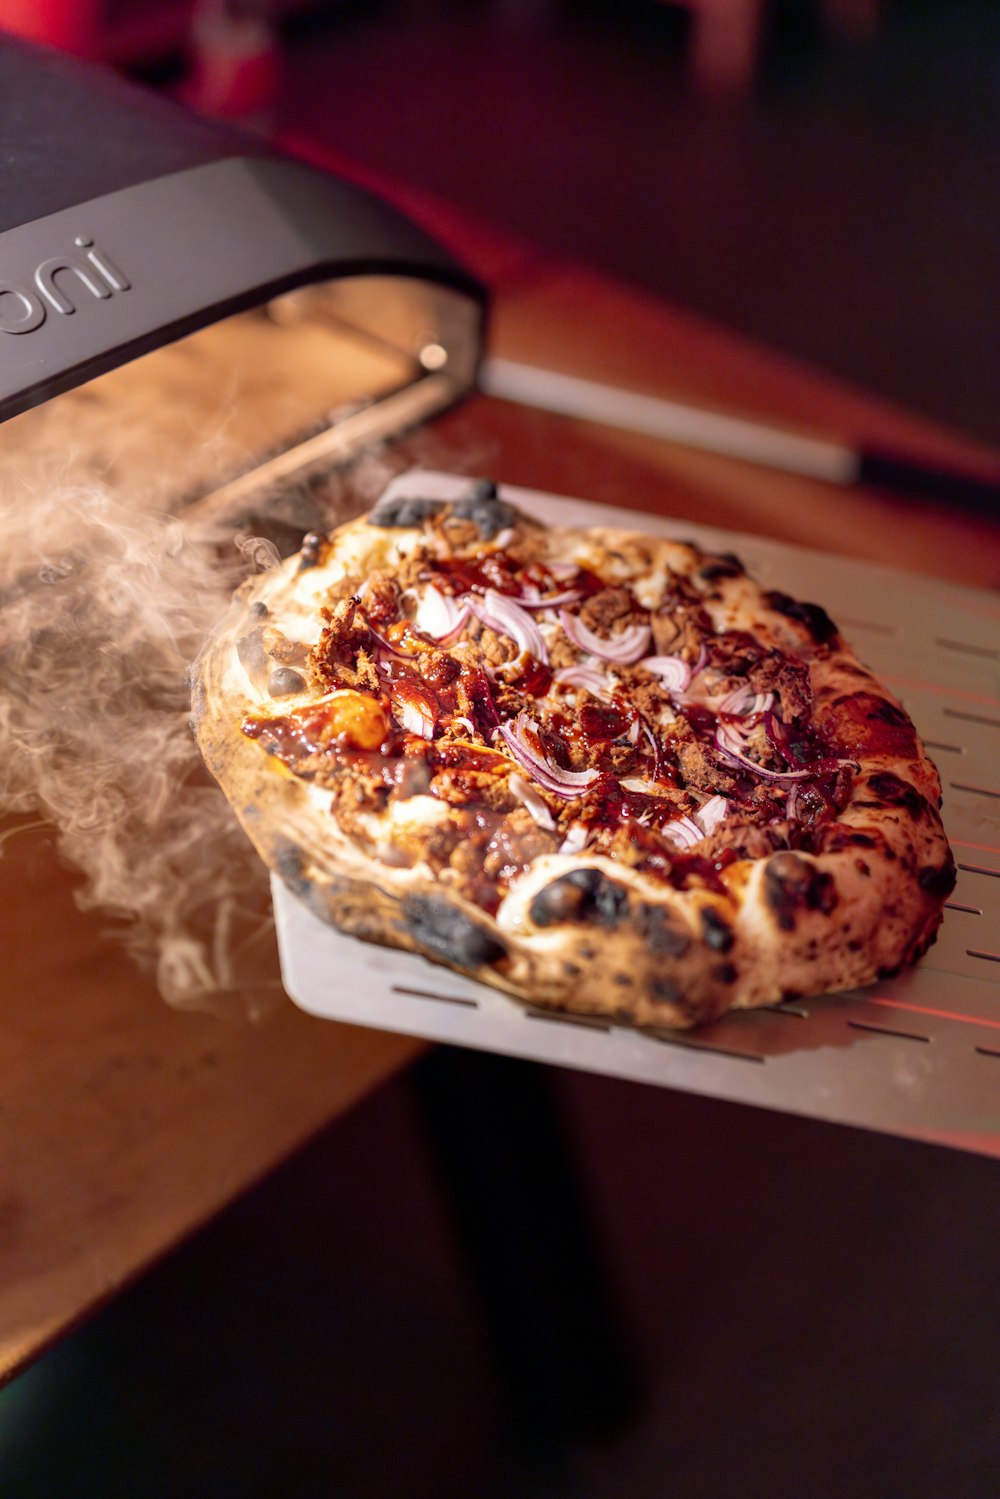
(562, 570)
(742, 702)
(413, 709)
(673, 671)
(529, 797)
(711, 813)
(386, 647)
(532, 599)
(777, 732)
(439, 615)
(634, 730)
(791, 805)
(466, 723)
(684, 831)
(730, 742)
(522, 739)
(623, 649)
(654, 745)
(589, 677)
(501, 614)
(576, 839)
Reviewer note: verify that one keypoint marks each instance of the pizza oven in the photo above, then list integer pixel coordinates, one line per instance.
(194, 321)
(168, 286)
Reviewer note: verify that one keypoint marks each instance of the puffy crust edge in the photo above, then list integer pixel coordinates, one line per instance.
(630, 948)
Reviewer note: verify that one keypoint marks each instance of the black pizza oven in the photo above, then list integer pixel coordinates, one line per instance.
(128, 226)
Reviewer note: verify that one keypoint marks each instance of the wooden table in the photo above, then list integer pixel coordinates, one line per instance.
(127, 1124)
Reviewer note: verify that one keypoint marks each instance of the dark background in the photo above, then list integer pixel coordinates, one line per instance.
(783, 1308)
(846, 209)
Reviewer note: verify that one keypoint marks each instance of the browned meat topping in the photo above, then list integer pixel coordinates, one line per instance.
(344, 634)
(681, 623)
(516, 842)
(701, 770)
(454, 714)
(381, 599)
(611, 607)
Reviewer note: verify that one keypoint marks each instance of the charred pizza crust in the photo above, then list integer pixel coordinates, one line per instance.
(793, 895)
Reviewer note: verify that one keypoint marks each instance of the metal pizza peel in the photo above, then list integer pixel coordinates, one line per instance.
(918, 1055)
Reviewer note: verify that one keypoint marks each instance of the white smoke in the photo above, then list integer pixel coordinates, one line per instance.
(103, 607)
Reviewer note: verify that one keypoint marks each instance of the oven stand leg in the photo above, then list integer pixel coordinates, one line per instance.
(561, 1361)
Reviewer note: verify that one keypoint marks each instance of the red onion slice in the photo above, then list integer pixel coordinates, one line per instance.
(413, 709)
(576, 839)
(711, 813)
(501, 614)
(440, 616)
(683, 831)
(386, 647)
(673, 671)
(654, 745)
(467, 724)
(743, 702)
(567, 783)
(532, 599)
(623, 649)
(589, 677)
(729, 741)
(529, 797)
(792, 803)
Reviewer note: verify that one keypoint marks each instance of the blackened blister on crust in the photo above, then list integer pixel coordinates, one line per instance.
(892, 791)
(487, 512)
(285, 680)
(792, 885)
(715, 930)
(835, 837)
(582, 895)
(816, 620)
(724, 565)
(288, 863)
(660, 933)
(401, 511)
(885, 712)
(449, 933)
(938, 882)
(311, 551)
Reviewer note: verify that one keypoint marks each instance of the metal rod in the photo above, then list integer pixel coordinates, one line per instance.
(735, 437)
(731, 436)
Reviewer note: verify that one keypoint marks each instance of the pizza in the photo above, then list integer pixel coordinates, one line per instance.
(605, 772)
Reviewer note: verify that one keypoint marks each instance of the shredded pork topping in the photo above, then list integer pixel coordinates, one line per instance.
(551, 712)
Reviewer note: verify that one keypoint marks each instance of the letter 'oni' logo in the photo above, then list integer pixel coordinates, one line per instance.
(23, 309)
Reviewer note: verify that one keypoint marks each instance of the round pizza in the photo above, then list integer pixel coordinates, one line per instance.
(605, 772)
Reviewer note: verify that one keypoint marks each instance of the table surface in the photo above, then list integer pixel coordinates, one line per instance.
(128, 1124)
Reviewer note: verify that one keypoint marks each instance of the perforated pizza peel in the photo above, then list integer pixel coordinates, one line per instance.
(918, 1055)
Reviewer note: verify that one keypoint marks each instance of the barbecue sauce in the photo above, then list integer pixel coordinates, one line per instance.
(345, 720)
(428, 688)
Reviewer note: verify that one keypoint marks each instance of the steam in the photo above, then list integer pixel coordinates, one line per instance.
(103, 606)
